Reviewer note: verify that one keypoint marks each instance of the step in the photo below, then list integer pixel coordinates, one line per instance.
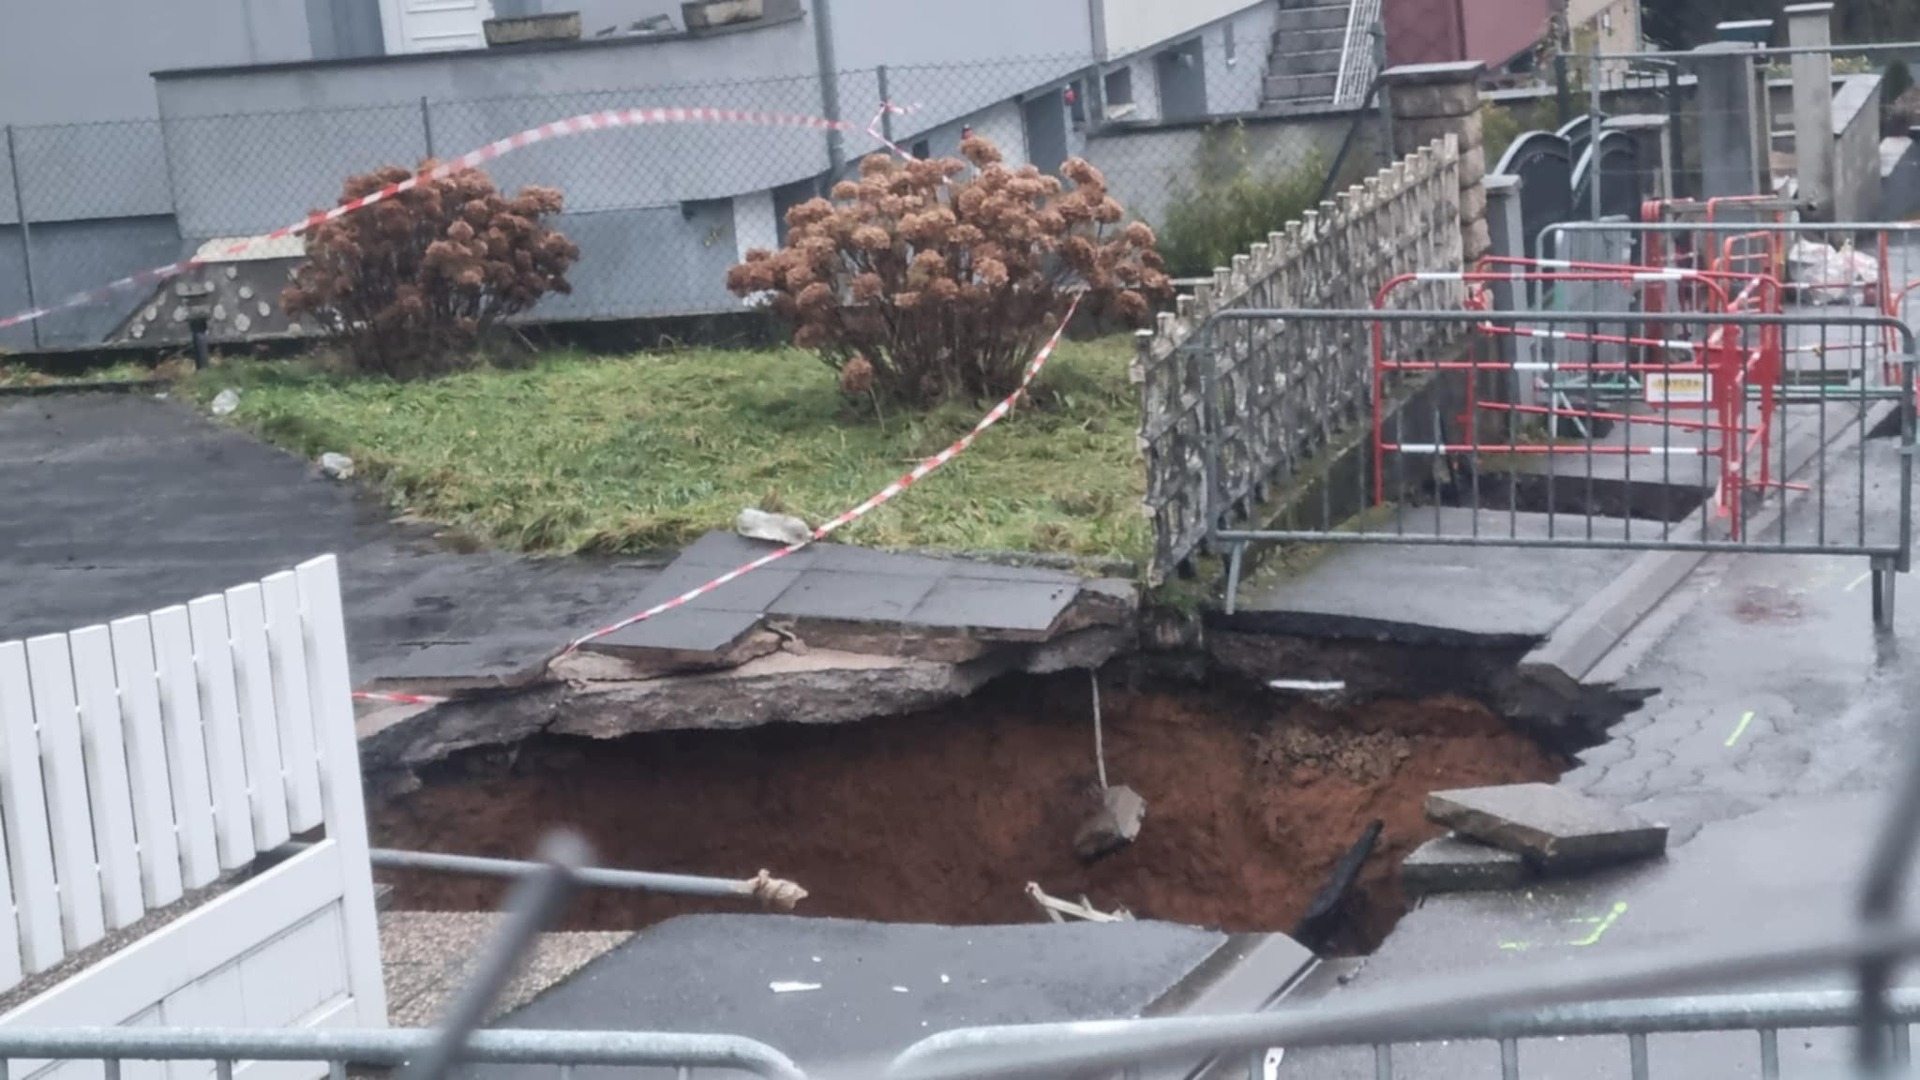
(1299, 87)
(1306, 63)
(1325, 17)
(1309, 40)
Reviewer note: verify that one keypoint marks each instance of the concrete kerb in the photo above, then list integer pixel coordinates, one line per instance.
(1586, 637)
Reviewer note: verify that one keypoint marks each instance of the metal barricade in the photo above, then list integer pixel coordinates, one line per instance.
(1894, 280)
(114, 1047)
(1756, 472)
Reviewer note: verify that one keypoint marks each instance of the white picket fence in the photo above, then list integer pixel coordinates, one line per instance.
(146, 759)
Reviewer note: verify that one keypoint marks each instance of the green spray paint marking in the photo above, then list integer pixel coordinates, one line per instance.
(1517, 946)
(1859, 581)
(1605, 924)
(1741, 728)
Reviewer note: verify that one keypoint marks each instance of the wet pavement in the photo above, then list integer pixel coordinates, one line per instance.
(1780, 723)
(118, 504)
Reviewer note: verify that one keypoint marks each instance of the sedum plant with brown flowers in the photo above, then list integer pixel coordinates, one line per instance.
(417, 283)
(934, 280)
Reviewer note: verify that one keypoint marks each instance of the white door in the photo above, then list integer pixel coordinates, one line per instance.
(416, 26)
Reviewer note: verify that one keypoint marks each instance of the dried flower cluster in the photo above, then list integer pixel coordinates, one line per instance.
(927, 281)
(415, 284)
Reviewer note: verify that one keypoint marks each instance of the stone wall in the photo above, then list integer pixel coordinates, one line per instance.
(1282, 393)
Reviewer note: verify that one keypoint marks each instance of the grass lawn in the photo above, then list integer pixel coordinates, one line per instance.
(578, 453)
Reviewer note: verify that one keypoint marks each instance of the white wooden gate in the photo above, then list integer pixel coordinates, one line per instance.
(144, 762)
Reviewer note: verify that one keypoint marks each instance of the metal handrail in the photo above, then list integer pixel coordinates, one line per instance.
(391, 1047)
(1356, 52)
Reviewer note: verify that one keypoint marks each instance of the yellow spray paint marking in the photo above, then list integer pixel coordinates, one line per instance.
(1517, 946)
(1859, 581)
(1605, 924)
(1740, 728)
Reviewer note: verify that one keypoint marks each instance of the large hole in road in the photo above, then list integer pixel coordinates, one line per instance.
(946, 816)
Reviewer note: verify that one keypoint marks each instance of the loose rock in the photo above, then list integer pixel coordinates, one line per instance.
(225, 401)
(777, 528)
(1113, 826)
(336, 466)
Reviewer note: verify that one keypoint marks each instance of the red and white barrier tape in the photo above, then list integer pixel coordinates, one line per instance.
(572, 125)
(919, 472)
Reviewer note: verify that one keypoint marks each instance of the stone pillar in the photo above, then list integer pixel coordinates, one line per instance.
(1809, 26)
(1431, 101)
(1731, 157)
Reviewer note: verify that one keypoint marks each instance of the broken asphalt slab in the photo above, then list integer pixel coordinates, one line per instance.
(1553, 828)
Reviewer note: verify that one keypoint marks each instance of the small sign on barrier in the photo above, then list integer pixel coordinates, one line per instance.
(1678, 388)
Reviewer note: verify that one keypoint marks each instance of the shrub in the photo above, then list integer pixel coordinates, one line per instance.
(1899, 111)
(925, 281)
(417, 283)
(1230, 207)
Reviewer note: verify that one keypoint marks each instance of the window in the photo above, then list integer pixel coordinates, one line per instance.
(1119, 85)
(922, 149)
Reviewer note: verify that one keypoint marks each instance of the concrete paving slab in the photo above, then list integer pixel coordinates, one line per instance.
(858, 560)
(1554, 828)
(853, 596)
(960, 602)
(881, 987)
(690, 630)
(1478, 592)
(724, 551)
(1453, 863)
(752, 593)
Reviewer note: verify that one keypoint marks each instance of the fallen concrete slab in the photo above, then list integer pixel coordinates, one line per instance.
(1453, 863)
(1553, 828)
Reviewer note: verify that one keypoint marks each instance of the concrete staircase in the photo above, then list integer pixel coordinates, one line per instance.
(1303, 64)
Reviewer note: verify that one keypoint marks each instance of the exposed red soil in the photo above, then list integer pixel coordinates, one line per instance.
(945, 816)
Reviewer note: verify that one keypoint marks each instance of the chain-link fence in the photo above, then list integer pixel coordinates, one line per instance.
(1191, 138)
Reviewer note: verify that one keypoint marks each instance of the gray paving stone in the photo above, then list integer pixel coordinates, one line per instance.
(990, 603)
(1029, 574)
(1554, 828)
(684, 629)
(752, 592)
(863, 597)
(1452, 863)
(723, 551)
(846, 558)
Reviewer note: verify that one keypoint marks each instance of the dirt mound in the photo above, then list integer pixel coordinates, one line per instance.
(945, 816)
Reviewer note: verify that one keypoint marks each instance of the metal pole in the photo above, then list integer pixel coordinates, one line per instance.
(829, 86)
(886, 101)
(26, 232)
(426, 123)
(535, 903)
(592, 877)
(1562, 88)
(1593, 133)
(1379, 34)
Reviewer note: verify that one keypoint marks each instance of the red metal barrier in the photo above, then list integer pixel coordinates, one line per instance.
(1723, 365)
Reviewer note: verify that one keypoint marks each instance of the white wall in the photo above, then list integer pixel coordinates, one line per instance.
(81, 61)
(1136, 24)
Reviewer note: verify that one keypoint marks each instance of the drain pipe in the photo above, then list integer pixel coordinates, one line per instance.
(763, 888)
